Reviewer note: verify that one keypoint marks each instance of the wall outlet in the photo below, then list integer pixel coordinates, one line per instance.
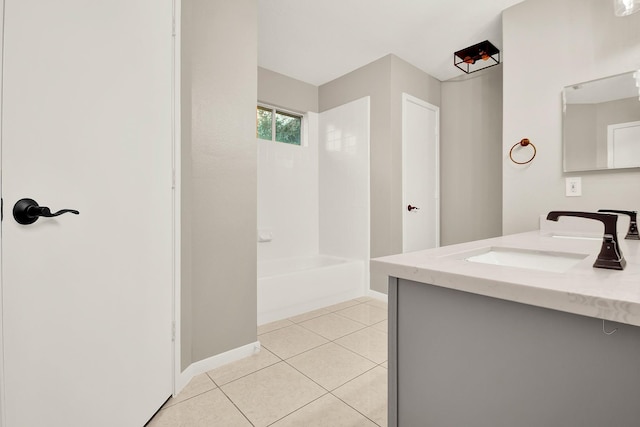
(573, 186)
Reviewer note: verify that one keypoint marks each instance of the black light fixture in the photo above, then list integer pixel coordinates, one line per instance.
(477, 57)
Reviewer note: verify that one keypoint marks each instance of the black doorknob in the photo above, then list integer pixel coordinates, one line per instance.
(27, 211)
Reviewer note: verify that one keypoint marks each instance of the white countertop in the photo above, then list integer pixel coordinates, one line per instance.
(595, 292)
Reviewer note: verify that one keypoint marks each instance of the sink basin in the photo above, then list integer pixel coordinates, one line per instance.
(557, 262)
(577, 237)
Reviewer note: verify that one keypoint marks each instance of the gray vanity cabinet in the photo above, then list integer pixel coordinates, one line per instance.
(457, 359)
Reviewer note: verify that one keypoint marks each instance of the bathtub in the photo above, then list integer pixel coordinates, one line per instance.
(291, 286)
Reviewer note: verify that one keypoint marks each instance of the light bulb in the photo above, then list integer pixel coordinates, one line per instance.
(626, 7)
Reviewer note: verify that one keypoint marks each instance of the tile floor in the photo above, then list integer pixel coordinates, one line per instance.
(327, 367)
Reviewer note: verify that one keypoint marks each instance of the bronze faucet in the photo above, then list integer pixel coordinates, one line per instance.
(632, 234)
(610, 255)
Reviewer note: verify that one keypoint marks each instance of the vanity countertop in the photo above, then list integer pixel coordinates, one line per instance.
(606, 294)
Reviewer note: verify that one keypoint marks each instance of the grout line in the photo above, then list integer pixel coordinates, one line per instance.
(276, 329)
(164, 407)
(306, 376)
(236, 406)
(367, 324)
(214, 381)
(252, 372)
(355, 352)
(347, 403)
(290, 319)
(337, 313)
(189, 398)
(327, 338)
(338, 309)
(293, 412)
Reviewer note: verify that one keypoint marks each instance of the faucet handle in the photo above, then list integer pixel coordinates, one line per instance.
(632, 234)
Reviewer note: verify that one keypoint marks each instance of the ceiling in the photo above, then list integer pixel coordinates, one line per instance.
(317, 41)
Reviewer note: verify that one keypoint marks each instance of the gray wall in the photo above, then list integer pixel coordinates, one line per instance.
(383, 80)
(579, 135)
(282, 91)
(219, 163)
(470, 157)
(405, 78)
(577, 41)
(470, 168)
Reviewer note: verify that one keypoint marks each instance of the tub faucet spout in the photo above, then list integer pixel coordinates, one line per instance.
(610, 254)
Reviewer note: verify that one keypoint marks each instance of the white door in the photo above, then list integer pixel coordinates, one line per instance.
(87, 125)
(420, 175)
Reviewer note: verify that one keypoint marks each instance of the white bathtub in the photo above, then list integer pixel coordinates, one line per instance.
(291, 286)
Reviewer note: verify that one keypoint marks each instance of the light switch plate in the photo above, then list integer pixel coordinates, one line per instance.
(573, 186)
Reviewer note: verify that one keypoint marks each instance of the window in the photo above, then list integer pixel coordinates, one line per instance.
(287, 127)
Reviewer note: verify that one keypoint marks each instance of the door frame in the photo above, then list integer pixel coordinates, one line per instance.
(177, 194)
(2, 381)
(176, 190)
(436, 197)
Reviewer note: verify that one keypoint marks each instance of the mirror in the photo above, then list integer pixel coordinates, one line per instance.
(601, 123)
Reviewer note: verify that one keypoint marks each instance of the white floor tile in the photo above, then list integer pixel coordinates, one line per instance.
(378, 303)
(367, 342)
(272, 393)
(364, 313)
(331, 365)
(328, 411)
(265, 390)
(268, 327)
(381, 326)
(290, 341)
(332, 326)
(198, 385)
(309, 315)
(367, 394)
(205, 410)
(240, 368)
(342, 305)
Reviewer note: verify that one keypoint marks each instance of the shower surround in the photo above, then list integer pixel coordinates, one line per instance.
(313, 209)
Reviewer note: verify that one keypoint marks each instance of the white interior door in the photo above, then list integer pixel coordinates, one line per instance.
(420, 175)
(623, 145)
(87, 125)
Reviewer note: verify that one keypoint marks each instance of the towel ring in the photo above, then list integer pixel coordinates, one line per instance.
(524, 142)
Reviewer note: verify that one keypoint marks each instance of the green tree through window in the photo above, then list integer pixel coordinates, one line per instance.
(265, 123)
(287, 127)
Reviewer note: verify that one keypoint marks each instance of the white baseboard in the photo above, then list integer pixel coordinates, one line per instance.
(378, 295)
(213, 362)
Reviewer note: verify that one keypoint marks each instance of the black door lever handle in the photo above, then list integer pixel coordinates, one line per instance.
(27, 211)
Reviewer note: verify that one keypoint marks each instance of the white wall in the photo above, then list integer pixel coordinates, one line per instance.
(384, 81)
(344, 180)
(288, 195)
(550, 44)
(314, 198)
